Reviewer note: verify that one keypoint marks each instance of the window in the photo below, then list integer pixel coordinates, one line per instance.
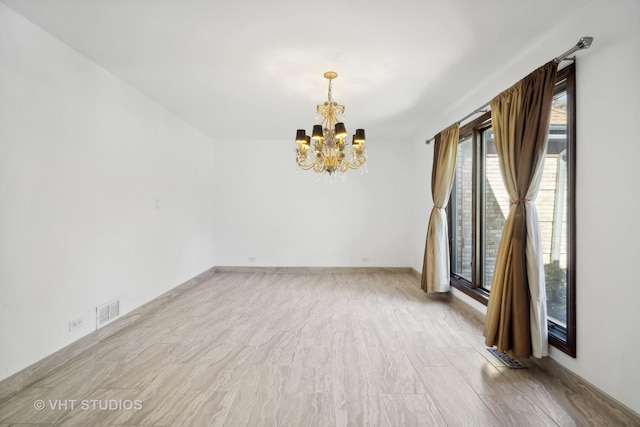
(479, 205)
(462, 199)
(558, 222)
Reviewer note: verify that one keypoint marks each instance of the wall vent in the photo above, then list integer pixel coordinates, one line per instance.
(107, 312)
(504, 358)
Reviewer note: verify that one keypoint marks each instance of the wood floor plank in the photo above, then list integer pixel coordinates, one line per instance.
(225, 374)
(140, 372)
(212, 412)
(422, 351)
(259, 399)
(24, 425)
(517, 410)
(357, 409)
(347, 348)
(549, 400)
(356, 379)
(20, 408)
(312, 356)
(456, 400)
(309, 379)
(395, 373)
(482, 376)
(90, 413)
(264, 348)
(412, 410)
(307, 410)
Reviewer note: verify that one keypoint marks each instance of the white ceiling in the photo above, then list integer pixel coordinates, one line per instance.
(248, 69)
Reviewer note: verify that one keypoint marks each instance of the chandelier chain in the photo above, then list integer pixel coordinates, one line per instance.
(330, 93)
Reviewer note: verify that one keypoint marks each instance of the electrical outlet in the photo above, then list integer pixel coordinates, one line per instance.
(365, 260)
(75, 324)
(252, 259)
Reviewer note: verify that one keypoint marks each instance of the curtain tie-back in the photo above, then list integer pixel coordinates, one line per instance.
(517, 202)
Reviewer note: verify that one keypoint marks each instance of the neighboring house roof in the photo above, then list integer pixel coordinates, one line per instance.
(559, 115)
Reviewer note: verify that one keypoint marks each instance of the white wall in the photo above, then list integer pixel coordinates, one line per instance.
(608, 107)
(83, 160)
(284, 219)
(421, 163)
(608, 104)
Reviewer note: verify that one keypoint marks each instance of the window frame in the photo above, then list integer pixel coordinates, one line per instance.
(560, 337)
(471, 288)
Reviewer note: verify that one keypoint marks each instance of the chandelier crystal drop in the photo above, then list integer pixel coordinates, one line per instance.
(330, 153)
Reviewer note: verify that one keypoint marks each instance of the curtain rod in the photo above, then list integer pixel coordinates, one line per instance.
(583, 43)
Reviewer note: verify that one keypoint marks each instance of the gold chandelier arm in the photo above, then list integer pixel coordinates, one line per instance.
(358, 161)
(330, 112)
(356, 165)
(302, 159)
(318, 166)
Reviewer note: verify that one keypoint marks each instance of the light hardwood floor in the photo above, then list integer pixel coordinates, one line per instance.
(285, 349)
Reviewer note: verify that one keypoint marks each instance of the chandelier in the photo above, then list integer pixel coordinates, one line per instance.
(330, 154)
